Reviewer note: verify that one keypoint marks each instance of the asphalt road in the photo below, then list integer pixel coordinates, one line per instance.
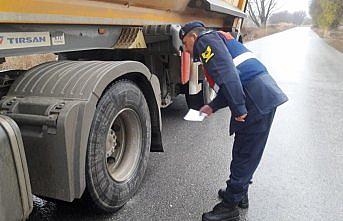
(301, 174)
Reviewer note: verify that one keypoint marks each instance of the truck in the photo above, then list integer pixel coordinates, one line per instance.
(90, 118)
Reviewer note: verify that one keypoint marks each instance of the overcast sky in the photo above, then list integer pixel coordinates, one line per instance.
(293, 5)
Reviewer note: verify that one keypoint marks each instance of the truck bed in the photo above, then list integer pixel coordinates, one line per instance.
(119, 12)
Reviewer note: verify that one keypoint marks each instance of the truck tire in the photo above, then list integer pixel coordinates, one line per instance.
(205, 96)
(118, 146)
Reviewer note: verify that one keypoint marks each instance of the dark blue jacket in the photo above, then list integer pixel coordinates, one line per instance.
(240, 80)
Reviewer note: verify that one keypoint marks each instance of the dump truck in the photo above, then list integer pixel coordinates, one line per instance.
(89, 119)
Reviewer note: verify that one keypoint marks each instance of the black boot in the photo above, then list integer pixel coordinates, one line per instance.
(222, 212)
(244, 203)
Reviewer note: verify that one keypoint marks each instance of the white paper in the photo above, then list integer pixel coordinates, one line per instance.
(194, 115)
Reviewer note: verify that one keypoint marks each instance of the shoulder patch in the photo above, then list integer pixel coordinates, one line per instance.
(207, 54)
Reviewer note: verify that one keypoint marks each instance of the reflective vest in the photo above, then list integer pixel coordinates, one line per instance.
(245, 61)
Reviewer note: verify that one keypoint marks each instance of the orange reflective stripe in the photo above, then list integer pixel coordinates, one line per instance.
(209, 79)
(227, 35)
(185, 67)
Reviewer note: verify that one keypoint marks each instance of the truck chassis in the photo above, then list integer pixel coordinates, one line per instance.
(90, 119)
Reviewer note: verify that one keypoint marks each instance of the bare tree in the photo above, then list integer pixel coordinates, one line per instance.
(260, 11)
(296, 18)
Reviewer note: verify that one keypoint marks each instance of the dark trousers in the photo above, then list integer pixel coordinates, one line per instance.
(247, 152)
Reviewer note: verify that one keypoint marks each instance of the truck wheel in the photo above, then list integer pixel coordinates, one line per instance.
(118, 146)
(205, 96)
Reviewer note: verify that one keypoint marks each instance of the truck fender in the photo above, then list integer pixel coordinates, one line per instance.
(54, 104)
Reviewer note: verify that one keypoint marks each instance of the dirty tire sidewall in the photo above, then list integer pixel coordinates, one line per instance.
(104, 192)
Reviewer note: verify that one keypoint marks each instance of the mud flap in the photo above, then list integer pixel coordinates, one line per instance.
(15, 189)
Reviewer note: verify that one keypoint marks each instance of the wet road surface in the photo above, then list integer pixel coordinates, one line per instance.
(301, 174)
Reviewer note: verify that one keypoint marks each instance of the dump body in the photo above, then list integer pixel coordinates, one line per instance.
(45, 26)
(120, 12)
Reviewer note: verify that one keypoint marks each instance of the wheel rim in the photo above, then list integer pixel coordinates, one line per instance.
(209, 93)
(123, 145)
